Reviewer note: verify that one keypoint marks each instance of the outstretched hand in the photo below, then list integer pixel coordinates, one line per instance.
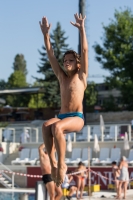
(79, 21)
(45, 26)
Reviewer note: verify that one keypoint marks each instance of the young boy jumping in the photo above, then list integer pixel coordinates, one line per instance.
(73, 82)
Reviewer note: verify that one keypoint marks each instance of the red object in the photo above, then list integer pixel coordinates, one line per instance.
(1, 149)
(102, 176)
(20, 148)
(31, 182)
(97, 108)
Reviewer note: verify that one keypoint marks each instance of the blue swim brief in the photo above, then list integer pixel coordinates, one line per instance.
(71, 114)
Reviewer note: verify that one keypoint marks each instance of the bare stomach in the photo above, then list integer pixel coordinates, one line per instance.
(71, 105)
(46, 170)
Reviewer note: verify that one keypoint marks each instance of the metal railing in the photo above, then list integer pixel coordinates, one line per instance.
(36, 133)
(6, 176)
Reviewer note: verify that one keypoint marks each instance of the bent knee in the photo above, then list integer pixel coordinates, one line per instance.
(56, 128)
(46, 126)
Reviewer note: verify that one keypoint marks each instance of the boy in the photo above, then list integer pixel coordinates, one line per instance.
(46, 172)
(73, 82)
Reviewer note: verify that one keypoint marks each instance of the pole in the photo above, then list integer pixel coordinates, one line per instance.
(89, 176)
(82, 11)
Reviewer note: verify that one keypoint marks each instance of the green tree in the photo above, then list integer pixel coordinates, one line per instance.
(91, 94)
(20, 63)
(116, 53)
(36, 100)
(110, 104)
(3, 84)
(17, 80)
(51, 84)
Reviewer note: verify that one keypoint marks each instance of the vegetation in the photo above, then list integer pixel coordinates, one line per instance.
(116, 54)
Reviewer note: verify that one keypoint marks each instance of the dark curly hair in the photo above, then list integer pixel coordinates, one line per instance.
(76, 55)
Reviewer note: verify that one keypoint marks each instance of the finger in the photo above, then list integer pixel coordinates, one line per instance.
(72, 23)
(46, 20)
(77, 16)
(50, 26)
(43, 20)
(80, 16)
(84, 17)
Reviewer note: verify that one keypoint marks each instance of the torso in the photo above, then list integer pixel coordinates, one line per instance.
(72, 92)
(45, 164)
(123, 164)
(116, 172)
(82, 168)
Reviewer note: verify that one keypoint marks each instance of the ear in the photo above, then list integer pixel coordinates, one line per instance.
(78, 65)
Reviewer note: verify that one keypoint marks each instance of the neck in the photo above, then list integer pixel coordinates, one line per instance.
(71, 73)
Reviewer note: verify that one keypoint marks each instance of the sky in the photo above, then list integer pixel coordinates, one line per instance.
(20, 32)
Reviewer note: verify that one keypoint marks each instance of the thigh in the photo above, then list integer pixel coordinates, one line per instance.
(50, 187)
(70, 124)
(46, 127)
(58, 189)
(78, 181)
(51, 121)
(82, 182)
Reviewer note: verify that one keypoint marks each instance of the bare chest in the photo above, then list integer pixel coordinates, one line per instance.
(71, 84)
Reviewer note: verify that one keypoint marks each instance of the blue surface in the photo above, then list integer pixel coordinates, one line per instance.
(16, 196)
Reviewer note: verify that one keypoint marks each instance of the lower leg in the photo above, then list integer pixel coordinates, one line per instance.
(60, 143)
(58, 192)
(72, 190)
(125, 189)
(82, 188)
(78, 183)
(58, 196)
(119, 190)
(50, 147)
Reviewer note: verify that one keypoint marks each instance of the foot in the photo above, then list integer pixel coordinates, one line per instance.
(54, 173)
(61, 174)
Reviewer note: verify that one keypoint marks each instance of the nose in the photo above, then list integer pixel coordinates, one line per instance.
(67, 62)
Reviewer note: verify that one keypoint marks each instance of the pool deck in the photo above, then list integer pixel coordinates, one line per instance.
(20, 190)
(106, 195)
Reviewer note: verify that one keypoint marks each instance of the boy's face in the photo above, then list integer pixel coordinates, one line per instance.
(70, 63)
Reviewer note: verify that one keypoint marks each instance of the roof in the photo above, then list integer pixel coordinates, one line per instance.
(23, 90)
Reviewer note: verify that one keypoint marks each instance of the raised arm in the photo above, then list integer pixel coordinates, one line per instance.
(45, 27)
(84, 45)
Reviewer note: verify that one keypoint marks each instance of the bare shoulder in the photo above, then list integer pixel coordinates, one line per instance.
(62, 75)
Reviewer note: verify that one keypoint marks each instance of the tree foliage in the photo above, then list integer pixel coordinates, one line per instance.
(36, 100)
(17, 80)
(3, 84)
(51, 84)
(20, 64)
(116, 53)
(91, 94)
